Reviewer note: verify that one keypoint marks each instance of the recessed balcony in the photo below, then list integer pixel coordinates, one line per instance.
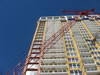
(62, 71)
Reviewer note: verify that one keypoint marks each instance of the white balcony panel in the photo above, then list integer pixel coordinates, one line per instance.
(54, 73)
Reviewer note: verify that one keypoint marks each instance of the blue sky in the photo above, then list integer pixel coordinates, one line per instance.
(18, 20)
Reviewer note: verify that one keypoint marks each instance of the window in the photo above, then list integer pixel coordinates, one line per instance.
(36, 46)
(87, 37)
(62, 17)
(96, 53)
(74, 65)
(70, 45)
(35, 55)
(68, 38)
(56, 17)
(83, 31)
(68, 41)
(67, 35)
(97, 58)
(71, 54)
(84, 51)
(98, 63)
(35, 50)
(91, 69)
(72, 59)
(70, 49)
(81, 27)
(91, 44)
(86, 56)
(37, 42)
(93, 48)
(38, 39)
(76, 72)
(49, 17)
(43, 17)
(89, 62)
(85, 34)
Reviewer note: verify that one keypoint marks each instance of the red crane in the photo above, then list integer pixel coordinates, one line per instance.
(82, 13)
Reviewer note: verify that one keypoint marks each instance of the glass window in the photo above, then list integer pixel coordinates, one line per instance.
(68, 41)
(91, 44)
(71, 54)
(67, 35)
(68, 38)
(70, 49)
(97, 58)
(72, 59)
(93, 48)
(69, 45)
(76, 72)
(98, 63)
(36, 46)
(74, 65)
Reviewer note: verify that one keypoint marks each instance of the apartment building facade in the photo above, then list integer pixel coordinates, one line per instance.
(75, 53)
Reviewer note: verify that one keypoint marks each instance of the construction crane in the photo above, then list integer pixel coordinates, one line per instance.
(84, 13)
(81, 13)
(52, 40)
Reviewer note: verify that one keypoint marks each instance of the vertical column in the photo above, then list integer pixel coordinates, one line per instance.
(73, 60)
(67, 63)
(86, 53)
(33, 58)
(44, 32)
(53, 61)
(94, 29)
(78, 53)
(95, 54)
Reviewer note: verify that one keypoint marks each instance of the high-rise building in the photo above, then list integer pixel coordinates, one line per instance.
(77, 52)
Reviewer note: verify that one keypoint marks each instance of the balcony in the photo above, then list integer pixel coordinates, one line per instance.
(55, 55)
(86, 57)
(53, 71)
(84, 53)
(92, 71)
(54, 60)
(53, 66)
(89, 64)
